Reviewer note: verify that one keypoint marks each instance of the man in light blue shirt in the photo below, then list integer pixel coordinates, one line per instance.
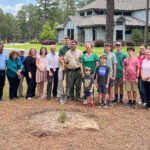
(3, 59)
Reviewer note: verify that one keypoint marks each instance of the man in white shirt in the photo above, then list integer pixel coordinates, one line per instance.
(52, 66)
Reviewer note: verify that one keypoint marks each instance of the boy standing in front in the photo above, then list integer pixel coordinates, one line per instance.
(111, 63)
(102, 81)
(88, 87)
(130, 76)
(119, 72)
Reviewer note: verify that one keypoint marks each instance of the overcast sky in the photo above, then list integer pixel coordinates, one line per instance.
(13, 6)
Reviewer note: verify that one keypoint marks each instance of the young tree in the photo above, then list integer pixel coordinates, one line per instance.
(109, 21)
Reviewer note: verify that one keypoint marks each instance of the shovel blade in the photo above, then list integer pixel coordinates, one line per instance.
(63, 99)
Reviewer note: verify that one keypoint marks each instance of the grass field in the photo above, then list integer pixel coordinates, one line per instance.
(97, 50)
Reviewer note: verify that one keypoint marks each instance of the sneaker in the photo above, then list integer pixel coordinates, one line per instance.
(105, 106)
(87, 105)
(129, 103)
(29, 98)
(92, 105)
(121, 101)
(115, 101)
(110, 103)
(99, 105)
(85, 102)
(134, 105)
(140, 103)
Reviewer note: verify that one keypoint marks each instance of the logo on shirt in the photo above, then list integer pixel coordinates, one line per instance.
(102, 71)
(87, 83)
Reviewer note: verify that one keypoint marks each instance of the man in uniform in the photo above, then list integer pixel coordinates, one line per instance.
(72, 62)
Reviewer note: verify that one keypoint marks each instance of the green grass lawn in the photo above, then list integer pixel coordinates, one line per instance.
(97, 50)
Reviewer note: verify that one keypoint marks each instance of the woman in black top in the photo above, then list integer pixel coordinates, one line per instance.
(30, 73)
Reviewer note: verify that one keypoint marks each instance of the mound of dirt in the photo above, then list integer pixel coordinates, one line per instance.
(49, 121)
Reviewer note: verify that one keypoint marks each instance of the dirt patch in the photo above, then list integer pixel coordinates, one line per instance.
(49, 121)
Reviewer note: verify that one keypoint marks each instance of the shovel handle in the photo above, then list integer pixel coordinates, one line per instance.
(63, 64)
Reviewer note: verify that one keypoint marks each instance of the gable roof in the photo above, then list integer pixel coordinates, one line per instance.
(126, 5)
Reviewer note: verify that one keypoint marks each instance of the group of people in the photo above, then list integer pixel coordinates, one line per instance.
(110, 72)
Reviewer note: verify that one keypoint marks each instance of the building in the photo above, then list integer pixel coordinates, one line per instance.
(90, 22)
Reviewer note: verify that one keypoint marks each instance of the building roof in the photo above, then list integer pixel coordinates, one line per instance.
(61, 26)
(89, 21)
(124, 5)
(101, 20)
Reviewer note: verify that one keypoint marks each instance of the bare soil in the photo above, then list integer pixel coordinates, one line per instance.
(34, 125)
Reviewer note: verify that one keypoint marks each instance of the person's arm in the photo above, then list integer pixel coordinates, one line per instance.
(48, 66)
(9, 66)
(19, 63)
(108, 78)
(92, 87)
(37, 64)
(114, 72)
(96, 63)
(96, 80)
(82, 72)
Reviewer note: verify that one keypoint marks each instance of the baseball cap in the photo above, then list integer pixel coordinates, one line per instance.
(119, 43)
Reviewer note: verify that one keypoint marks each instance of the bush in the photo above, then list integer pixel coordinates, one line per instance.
(130, 43)
(21, 41)
(99, 43)
(35, 42)
(60, 43)
(137, 36)
(48, 42)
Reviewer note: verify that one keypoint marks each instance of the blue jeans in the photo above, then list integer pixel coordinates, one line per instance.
(142, 91)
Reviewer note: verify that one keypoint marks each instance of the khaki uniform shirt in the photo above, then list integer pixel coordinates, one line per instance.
(72, 59)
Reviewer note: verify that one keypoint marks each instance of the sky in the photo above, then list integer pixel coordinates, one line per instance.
(13, 6)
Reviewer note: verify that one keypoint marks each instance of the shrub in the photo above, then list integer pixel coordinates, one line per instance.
(35, 42)
(99, 43)
(21, 41)
(137, 36)
(130, 43)
(48, 42)
(60, 43)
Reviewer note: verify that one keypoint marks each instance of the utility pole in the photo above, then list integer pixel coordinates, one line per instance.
(146, 23)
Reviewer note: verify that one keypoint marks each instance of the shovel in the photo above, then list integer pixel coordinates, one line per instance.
(63, 97)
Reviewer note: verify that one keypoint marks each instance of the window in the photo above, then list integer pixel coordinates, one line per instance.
(82, 14)
(89, 13)
(128, 32)
(94, 35)
(127, 13)
(98, 12)
(70, 33)
(119, 22)
(118, 13)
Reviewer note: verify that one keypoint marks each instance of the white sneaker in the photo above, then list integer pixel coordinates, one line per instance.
(29, 98)
(85, 102)
(144, 104)
(140, 103)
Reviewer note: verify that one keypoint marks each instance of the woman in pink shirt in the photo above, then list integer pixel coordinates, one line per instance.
(145, 74)
(140, 83)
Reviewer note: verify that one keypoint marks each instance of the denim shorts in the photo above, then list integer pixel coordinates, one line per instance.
(111, 83)
(87, 93)
(102, 89)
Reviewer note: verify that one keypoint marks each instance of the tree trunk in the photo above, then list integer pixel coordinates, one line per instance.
(109, 21)
(146, 23)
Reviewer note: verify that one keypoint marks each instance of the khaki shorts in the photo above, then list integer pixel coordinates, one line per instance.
(119, 81)
(131, 86)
